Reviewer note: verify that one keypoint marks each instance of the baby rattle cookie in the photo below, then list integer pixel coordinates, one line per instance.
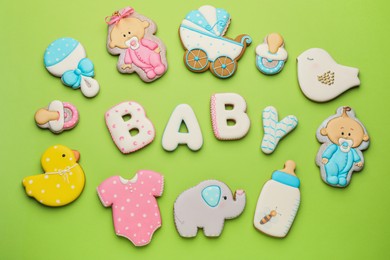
(202, 36)
(278, 202)
(63, 180)
(131, 36)
(206, 206)
(271, 55)
(321, 79)
(57, 117)
(274, 130)
(343, 137)
(134, 207)
(66, 58)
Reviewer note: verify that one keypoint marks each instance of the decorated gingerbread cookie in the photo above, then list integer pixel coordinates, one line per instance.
(134, 207)
(206, 206)
(63, 180)
(278, 202)
(271, 55)
(172, 136)
(131, 36)
(229, 124)
(66, 58)
(321, 79)
(274, 130)
(129, 127)
(57, 117)
(343, 137)
(202, 36)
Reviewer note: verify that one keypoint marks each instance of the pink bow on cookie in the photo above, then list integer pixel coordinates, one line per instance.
(116, 17)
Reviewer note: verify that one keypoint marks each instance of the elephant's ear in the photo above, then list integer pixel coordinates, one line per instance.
(211, 195)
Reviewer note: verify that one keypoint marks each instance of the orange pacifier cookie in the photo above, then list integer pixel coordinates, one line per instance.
(63, 180)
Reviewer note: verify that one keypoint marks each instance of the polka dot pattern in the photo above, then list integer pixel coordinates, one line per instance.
(221, 16)
(133, 204)
(59, 50)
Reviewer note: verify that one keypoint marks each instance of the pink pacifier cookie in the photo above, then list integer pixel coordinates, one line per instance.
(131, 36)
(57, 117)
(129, 127)
(66, 58)
(134, 206)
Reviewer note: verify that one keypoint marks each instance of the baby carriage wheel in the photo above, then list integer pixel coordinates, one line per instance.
(196, 59)
(223, 67)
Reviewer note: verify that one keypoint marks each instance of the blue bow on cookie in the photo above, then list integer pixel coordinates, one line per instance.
(72, 78)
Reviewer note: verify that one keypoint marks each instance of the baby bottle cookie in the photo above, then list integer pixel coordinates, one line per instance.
(66, 58)
(271, 55)
(343, 137)
(131, 36)
(278, 202)
(63, 180)
(57, 117)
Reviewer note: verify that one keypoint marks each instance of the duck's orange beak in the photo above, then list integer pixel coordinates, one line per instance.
(76, 155)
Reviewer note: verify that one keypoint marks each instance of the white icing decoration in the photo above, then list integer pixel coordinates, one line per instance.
(262, 51)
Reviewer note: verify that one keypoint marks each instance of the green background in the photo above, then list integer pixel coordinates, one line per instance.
(351, 223)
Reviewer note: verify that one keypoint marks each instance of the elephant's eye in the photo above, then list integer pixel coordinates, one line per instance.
(124, 35)
(129, 32)
(224, 197)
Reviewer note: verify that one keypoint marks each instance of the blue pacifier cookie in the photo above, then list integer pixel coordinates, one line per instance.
(271, 55)
(66, 58)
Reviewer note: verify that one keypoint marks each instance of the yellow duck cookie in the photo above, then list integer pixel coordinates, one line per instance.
(63, 180)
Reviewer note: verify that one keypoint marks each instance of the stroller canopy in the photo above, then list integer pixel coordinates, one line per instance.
(214, 20)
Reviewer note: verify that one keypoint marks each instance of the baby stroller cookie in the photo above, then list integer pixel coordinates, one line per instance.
(202, 36)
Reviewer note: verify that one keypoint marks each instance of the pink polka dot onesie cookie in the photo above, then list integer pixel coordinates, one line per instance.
(135, 210)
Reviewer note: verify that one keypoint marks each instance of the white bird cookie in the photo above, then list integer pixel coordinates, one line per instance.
(321, 79)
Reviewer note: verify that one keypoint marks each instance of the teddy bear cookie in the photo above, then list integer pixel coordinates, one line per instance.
(206, 206)
(66, 58)
(278, 202)
(131, 36)
(63, 180)
(271, 55)
(343, 137)
(134, 207)
(202, 36)
(321, 79)
(57, 117)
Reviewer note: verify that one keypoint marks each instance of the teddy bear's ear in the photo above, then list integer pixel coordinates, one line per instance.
(323, 132)
(145, 24)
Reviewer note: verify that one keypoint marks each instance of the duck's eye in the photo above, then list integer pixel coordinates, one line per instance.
(124, 35)
(129, 32)
(224, 197)
(63, 155)
(342, 133)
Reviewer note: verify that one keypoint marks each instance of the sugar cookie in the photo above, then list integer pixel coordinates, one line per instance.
(172, 137)
(321, 78)
(278, 202)
(343, 137)
(271, 55)
(66, 58)
(134, 207)
(131, 36)
(275, 130)
(221, 116)
(206, 206)
(202, 36)
(129, 127)
(63, 180)
(57, 117)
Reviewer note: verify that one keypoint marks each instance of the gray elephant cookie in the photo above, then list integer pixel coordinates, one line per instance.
(206, 206)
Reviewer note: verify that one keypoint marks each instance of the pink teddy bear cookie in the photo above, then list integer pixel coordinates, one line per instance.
(131, 36)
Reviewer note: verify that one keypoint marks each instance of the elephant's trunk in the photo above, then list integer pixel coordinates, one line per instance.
(239, 204)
